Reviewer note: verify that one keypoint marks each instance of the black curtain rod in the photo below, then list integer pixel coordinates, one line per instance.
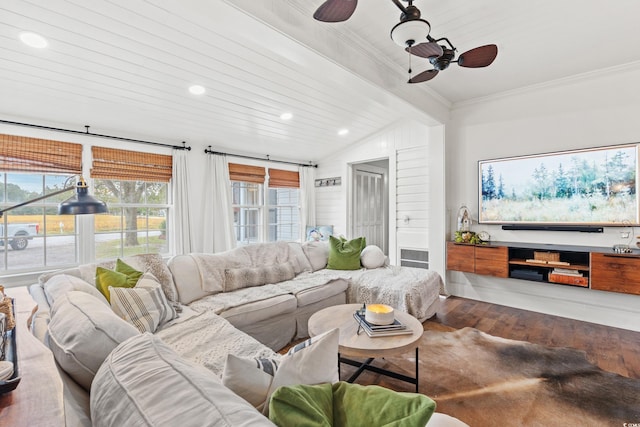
(210, 151)
(98, 135)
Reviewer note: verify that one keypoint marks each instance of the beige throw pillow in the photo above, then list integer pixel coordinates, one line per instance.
(246, 277)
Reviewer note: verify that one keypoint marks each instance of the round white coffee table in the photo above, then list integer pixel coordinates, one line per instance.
(354, 344)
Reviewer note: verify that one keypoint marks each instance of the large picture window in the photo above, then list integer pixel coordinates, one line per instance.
(35, 236)
(135, 187)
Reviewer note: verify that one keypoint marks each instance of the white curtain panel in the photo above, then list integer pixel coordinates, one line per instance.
(307, 199)
(182, 223)
(218, 225)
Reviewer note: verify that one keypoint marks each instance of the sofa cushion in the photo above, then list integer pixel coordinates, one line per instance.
(313, 361)
(246, 277)
(345, 254)
(320, 293)
(82, 332)
(63, 283)
(124, 276)
(260, 310)
(143, 382)
(372, 257)
(317, 253)
(143, 306)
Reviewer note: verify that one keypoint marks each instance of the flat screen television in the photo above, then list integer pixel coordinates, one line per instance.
(590, 187)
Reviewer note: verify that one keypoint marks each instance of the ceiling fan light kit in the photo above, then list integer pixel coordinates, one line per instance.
(412, 33)
(409, 33)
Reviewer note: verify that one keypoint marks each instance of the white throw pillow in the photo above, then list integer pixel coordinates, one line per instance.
(144, 382)
(82, 333)
(144, 306)
(313, 361)
(372, 257)
(62, 283)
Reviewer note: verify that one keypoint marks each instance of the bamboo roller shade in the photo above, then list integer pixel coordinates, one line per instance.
(21, 153)
(284, 179)
(111, 163)
(256, 174)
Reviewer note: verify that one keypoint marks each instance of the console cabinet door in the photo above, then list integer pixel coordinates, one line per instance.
(615, 273)
(492, 261)
(460, 257)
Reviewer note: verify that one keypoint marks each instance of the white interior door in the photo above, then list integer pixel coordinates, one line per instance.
(370, 205)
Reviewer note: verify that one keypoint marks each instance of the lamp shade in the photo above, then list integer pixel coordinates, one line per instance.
(411, 32)
(82, 203)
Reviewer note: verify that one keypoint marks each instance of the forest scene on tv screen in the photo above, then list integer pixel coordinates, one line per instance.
(596, 186)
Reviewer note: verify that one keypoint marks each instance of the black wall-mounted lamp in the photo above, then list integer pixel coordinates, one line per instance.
(80, 203)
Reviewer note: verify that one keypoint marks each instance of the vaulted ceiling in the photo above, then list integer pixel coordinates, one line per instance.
(124, 67)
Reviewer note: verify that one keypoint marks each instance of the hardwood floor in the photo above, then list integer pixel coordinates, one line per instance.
(612, 349)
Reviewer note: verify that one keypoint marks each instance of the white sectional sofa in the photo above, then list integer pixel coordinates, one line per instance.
(249, 302)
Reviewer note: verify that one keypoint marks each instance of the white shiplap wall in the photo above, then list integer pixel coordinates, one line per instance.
(416, 155)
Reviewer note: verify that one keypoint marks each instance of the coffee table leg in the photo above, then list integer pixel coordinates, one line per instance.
(366, 366)
(417, 369)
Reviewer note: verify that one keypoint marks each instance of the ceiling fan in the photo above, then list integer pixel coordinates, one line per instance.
(412, 33)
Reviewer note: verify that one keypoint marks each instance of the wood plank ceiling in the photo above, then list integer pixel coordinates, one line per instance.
(124, 67)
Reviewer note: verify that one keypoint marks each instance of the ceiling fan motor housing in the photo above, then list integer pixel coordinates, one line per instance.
(443, 61)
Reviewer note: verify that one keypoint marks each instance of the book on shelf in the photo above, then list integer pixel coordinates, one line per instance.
(542, 261)
(567, 272)
(396, 328)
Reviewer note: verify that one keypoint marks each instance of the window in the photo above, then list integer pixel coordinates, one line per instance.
(284, 206)
(265, 208)
(35, 236)
(135, 187)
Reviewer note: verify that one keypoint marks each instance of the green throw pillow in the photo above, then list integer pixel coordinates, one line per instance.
(124, 276)
(345, 254)
(348, 405)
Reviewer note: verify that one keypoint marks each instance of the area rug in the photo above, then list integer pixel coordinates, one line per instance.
(489, 381)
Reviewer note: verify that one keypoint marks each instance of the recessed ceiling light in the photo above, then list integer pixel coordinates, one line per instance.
(343, 132)
(197, 89)
(286, 116)
(34, 40)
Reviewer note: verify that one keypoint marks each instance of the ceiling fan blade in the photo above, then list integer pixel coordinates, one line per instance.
(424, 76)
(335, 10)
(479, 57)
(425, 50)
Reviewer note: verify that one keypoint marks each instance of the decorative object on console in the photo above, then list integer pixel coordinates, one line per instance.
(464, 219)
(467, 237)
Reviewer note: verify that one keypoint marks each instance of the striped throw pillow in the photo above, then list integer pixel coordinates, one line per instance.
(313, 361)
(144, 306)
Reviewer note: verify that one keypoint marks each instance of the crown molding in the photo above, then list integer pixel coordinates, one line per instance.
(577, 78)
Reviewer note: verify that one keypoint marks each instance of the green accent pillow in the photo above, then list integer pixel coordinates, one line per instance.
(345, 254)
(124, 276)
(348, 405)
